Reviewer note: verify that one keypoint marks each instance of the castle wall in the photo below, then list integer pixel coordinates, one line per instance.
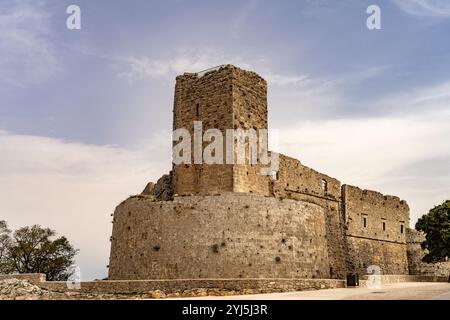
(416, 254)
(376, 230)
(233, 235)
(298, 182)
(295, 180)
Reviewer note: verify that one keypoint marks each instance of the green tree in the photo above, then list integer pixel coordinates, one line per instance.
(436, 225)
(37, 250)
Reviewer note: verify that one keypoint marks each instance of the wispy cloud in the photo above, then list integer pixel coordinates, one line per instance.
(420, 99)
(27, 55)
(316, 97)
(278, 79)
(185, 61)
(133, 68)
(432, 8)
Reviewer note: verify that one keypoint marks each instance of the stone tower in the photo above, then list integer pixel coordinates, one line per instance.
(224, 97)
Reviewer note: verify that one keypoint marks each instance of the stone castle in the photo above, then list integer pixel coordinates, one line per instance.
(228, 221)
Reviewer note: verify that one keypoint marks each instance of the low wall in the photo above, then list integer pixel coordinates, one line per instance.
(440, 269)
(140, 286)
(143, 286)
(416, 254)
(393, 278)
(35, 278)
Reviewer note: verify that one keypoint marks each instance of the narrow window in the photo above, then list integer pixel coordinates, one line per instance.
(197, 110)
(384, 226)
(275, 175)
(365, 222)
(401, 228)
(251, 155)
(324, 185)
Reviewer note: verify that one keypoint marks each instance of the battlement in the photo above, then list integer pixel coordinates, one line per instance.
(371, 214)
(375, 197)
(220, 68)
(295, 179)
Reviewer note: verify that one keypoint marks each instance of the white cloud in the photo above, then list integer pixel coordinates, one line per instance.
(133, 68)
(28, 57)
(432, 8)
(275, 79)
(313, 97)
(434, 97)
(195, 60)
(71, 188)
(198, 60)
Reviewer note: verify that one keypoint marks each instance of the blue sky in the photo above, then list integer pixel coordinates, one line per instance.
(85, 115)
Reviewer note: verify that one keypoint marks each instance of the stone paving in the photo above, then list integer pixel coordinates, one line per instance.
(397, 291)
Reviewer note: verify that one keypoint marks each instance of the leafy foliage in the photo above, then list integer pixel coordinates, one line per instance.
(33, 250)
(436, 225)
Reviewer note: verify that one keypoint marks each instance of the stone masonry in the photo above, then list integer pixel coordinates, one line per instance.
(227, 221)
(415, 255)
(375, 230)
(227, 98)
(205, 236)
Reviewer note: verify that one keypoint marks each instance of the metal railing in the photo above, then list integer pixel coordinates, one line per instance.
(203, 72)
